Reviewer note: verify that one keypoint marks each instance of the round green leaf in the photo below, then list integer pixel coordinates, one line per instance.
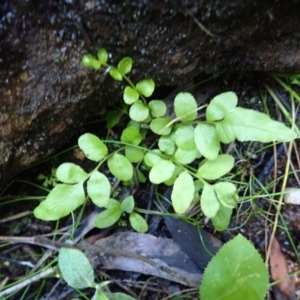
(207, 140)
(146, 87)
(131, 135)
(157, 108)
(130, 95)
(109, 216)
(209, 202)
(89, 61)
(160, 126)
(127, 204)
(70, 173)
(98, 189)
(161, 171)
(137, 222)
(226, 192)
(166, 144)
(220, 106)
(125, 65)
(214, 169)
(152, 157)
(134, 155)
(222, 219)
(183, 192)
(237, 271)
(75, 268)
(93, 148)
(174, 176)
(115, 74)
(120, 167)
(62, 199)
(102, 55)
(139, 112)
(184, 137)
(185, 107)
(186, 157)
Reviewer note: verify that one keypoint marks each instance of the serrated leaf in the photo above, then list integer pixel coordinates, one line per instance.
(146, 87)
(249, 125)
(238, 272)
(220, 106)
(137, 222)
(222, 219)
(157, 108)
(186, 157)
(130, 95)
(110, 215)
(131, 135)
(166, 144)
(127, 204)
(214, 169)
(226, 193)
(115, 74)
(138, 111)
(98, 189)
(183, 192)
(184, 137)
(207, 140)
(70, 173)
(209, 201)
(93, 148)
(75, 268)
(125, 65)
(185, 107)
(120, 167)
(161, 171)
(102, 55)
(89, 61)
(134, 155)
(62, 199)
(161, 126)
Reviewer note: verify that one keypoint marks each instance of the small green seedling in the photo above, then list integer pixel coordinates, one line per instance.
(114, 211)
(49, 181)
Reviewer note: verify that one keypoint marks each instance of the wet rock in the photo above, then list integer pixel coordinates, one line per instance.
(46, 94)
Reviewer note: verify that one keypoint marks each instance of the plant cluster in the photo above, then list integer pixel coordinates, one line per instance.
(188, 153)
(187, 156)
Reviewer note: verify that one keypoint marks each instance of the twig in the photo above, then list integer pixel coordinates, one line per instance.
(201, 26)
(20, 215)
(55, 245)
(27, 282)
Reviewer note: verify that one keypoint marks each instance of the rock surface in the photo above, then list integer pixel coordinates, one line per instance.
(46, 94)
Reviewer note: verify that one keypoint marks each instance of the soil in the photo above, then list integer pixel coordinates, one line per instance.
(254, 217)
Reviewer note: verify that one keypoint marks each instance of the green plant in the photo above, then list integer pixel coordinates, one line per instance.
(236, 271)
(79, 274)
(182, 142)
(50, 180)
(114, 211)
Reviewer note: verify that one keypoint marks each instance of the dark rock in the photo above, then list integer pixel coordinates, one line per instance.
(46, 94)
